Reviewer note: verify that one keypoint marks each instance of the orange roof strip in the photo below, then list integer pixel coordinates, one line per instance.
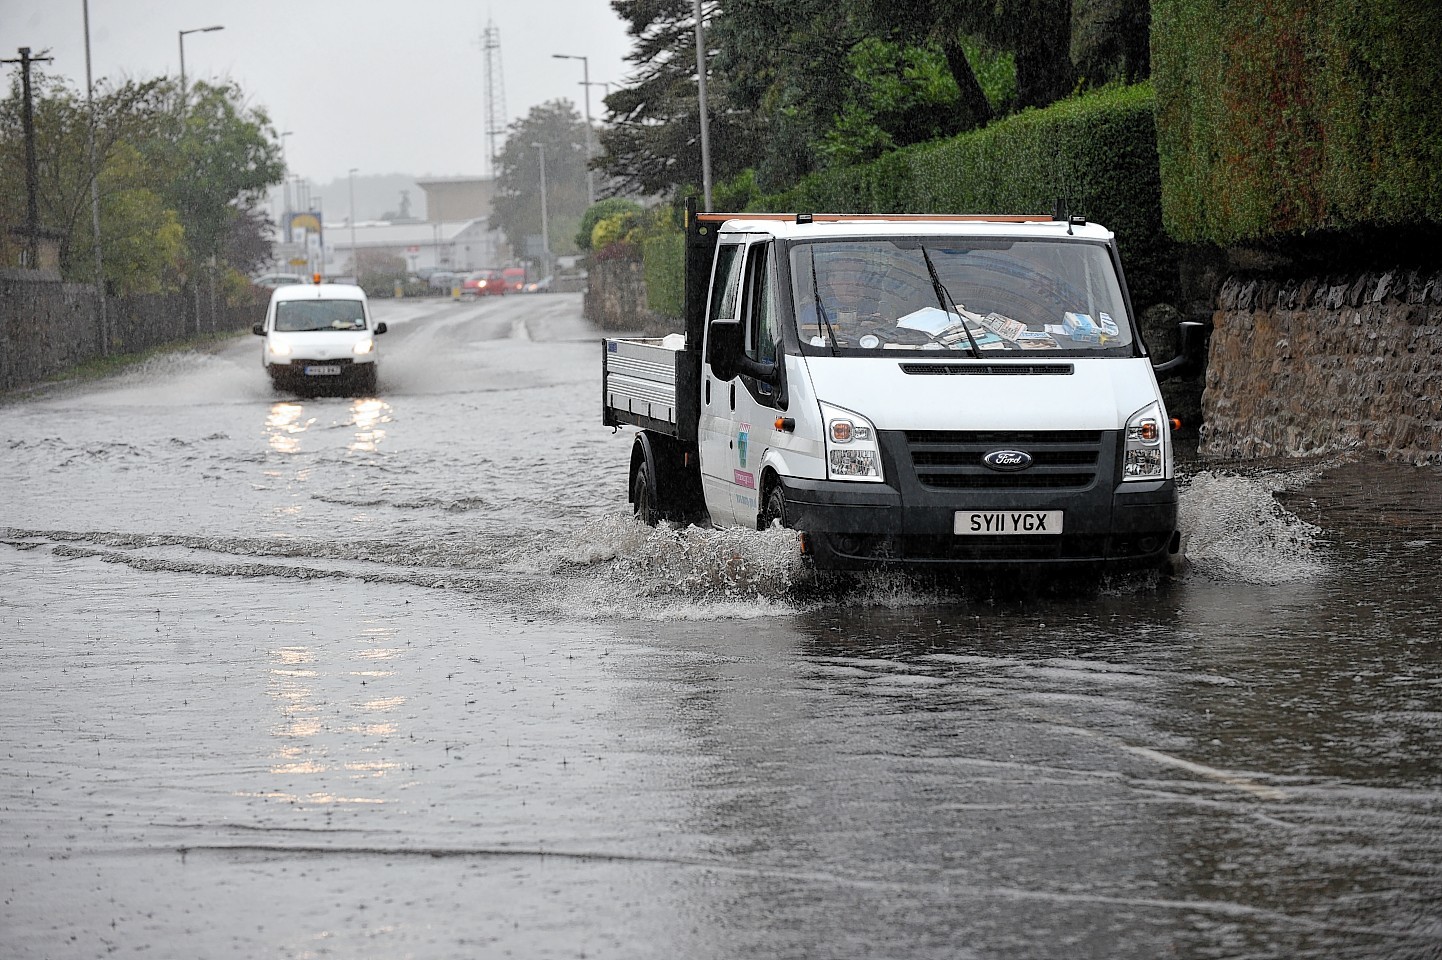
(895, 217)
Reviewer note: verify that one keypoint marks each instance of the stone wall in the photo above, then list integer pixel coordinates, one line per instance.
(48, 326)
(1313, 365)
(616, 295)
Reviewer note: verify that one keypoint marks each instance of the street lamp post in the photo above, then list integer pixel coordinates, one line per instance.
(701, 103)
(590, 151)
(182, 56)
(354, 250)
(285, 178)
(545, 230)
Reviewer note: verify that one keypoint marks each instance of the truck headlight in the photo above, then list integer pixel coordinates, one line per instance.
(1146, 455)
(278, 349)
(365, 346)
(852, 451)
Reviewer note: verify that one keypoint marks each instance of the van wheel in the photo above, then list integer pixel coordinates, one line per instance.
(644, 501)
(773, 509)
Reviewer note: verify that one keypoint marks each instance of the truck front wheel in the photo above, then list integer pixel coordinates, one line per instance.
(773, 509)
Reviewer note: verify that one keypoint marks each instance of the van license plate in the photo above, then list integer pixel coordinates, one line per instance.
(1007, 522)
(323, 370)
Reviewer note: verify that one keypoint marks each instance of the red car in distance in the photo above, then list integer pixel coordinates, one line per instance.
(483, 283)
(515, 278)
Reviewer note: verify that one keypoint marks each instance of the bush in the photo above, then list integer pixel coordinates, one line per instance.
(1096, 150)
(1297, 116)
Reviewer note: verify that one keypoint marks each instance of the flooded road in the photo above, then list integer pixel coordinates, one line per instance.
(399, 677)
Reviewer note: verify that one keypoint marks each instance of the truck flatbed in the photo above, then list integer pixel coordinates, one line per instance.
(639, 383)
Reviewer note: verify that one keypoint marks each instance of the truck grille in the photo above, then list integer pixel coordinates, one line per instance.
(951, 459)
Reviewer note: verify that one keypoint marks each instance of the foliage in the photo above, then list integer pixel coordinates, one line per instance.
(220, 165)
(1097, 150)
(653, 141)
(663, 264)
(1299, 116)
(174, 189)
(901, 95)
(516, 207)
(794, 85)
(598, 211)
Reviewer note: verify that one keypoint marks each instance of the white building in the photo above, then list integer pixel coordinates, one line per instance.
(456, 245)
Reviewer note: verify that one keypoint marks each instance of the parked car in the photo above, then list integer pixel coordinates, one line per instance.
(483, 283)
(442, 280)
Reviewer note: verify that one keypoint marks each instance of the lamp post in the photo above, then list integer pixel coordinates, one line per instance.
(285, 177)
(354, 250)
(182, 56)
(545, 230)
(95, 192)
(701, 103)
(586, 82)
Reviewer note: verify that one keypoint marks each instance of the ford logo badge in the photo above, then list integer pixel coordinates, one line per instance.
(1007, 461)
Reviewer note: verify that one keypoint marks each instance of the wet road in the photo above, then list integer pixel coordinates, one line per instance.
(398, 677)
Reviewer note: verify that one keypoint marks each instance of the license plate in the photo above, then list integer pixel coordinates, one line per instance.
(323, 370)
(1007, 522)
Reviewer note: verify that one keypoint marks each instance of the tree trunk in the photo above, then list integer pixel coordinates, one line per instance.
(973, 108)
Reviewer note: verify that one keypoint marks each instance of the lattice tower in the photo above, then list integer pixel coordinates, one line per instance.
(495, 93)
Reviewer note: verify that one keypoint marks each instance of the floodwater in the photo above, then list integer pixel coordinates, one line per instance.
(399, 677)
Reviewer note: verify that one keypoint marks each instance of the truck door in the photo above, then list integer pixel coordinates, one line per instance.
(743, 408)
(718, 397)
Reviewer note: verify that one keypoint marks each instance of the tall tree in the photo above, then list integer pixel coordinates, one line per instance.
(653, 141)
(516, 206)
(219, 165)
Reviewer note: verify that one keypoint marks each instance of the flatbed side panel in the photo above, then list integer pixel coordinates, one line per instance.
(638, 384)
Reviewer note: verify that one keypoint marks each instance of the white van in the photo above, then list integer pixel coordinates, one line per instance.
(948, 390)
(320, 336)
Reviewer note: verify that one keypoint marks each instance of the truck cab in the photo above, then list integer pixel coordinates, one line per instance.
(939, 390)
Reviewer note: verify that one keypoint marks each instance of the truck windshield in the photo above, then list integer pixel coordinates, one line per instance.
(295, 316)
(1042, 295)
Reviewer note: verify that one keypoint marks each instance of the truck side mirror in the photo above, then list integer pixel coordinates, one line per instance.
(381, 328)
(1190, 359)
(258, 329)
(725, 346)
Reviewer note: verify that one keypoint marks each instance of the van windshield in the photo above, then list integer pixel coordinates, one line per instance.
(986, 295)
(295, 316)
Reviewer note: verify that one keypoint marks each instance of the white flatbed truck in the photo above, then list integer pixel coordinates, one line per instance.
(925, 390)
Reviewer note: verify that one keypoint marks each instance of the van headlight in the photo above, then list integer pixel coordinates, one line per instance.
(278, 349)
(1146, 453)
(364, 346)
(852, 450)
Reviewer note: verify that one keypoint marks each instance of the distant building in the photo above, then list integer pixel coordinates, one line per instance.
(456, 234)
(458, 198)
(456, 245)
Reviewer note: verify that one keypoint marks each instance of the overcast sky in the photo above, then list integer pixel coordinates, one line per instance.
(386, 86)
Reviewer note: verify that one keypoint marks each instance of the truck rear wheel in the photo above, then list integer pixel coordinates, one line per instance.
(644, 499)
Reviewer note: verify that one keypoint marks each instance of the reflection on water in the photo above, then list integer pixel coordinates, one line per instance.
(327, 698)
(367, 416)
(284, 427)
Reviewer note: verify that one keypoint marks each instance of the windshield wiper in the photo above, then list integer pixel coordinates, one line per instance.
(820, 307)
(943, 296)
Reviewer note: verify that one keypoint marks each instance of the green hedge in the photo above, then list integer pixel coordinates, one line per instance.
(1297, 115)
(1097, 150)
(663, 264)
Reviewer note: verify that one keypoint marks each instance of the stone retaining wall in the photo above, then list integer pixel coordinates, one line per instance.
(1316, 365)
(48, 326)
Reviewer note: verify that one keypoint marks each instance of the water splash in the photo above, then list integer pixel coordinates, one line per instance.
(1233, 529)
